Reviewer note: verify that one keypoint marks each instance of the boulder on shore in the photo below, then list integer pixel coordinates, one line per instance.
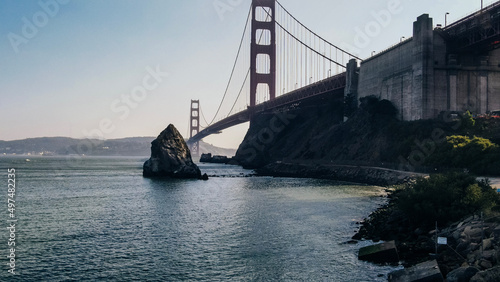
(380, 253)
(170, 157)
(461, 274)
(492, 275)
(426, 271)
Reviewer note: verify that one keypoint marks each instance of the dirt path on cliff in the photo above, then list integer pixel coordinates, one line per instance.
(494, 181)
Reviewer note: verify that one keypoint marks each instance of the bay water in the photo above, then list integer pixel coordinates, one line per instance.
(98, 219)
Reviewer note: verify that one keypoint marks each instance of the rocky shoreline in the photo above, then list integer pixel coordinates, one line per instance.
(472, 252)
(348, 173)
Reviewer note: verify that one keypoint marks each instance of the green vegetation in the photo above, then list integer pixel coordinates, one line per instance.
(468, 122)
(445, 198)
(448, 143)
(477, 154)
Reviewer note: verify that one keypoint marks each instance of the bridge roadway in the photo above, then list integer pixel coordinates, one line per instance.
(314, 90)
(480, 30)
(477, 32)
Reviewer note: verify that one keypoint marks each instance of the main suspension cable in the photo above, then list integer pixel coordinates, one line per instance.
(234, 67)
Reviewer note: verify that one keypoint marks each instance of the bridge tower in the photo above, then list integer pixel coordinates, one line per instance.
(194, 126)
(262, 51)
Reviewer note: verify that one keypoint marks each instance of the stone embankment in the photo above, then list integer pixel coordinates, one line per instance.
(347, 173)
(473, 244)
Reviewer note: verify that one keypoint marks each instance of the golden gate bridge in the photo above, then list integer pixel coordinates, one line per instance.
(279, 62)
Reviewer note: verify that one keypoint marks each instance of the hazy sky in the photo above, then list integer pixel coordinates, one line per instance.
(68, 67)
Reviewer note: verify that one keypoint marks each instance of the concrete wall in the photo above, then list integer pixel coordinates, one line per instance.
(390, 76)
(422, 79)
(494, 81)
(474, 82)
(403, 73)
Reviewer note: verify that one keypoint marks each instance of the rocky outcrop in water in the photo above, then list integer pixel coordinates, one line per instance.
(170, 157)
(208, 158)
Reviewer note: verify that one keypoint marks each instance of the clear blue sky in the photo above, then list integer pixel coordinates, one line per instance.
(65, 68)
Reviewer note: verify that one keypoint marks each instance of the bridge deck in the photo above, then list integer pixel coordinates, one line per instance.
(319, 88)
(477, 31)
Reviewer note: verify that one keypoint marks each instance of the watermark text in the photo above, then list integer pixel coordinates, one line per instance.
(12, 220)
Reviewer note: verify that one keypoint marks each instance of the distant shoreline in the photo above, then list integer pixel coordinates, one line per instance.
(64, 146)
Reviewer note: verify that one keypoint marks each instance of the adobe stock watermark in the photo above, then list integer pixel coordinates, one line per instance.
(224, 6)
(32, 26)
(121, 107)
(380, 20)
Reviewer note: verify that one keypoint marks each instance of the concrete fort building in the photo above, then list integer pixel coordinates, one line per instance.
(452, 68)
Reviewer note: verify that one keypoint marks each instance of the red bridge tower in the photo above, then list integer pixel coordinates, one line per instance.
(263, 48)
(194, 126)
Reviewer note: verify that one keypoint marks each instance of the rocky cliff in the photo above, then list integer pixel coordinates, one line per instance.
(289, 134)
(170, 157)
(314, 134)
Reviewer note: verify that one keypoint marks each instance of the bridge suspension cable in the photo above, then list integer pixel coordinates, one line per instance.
(302, 58)
(204, 119)
(244, 51)
(233, 70)
(239, 94)
(315, 34)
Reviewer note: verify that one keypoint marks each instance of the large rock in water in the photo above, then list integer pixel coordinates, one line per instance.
(170, 157)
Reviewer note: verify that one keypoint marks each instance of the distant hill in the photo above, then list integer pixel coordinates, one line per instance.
(216, 151)
(133, 146)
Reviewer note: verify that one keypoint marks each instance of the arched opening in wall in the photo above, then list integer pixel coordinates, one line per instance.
(194, 114)
(262, 93)
(194, 132)
(194, 123)
(263, 64)
(263, 14)
(263, 37)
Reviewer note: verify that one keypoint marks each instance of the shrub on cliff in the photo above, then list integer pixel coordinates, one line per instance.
(468, 121)
(477, 154)
(445, 198)
(376, 107)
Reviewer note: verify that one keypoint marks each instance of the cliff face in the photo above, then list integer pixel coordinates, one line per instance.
(170, 157)
(284, 135)
(314, 132)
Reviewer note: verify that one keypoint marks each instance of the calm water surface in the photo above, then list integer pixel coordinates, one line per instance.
(98, 219)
